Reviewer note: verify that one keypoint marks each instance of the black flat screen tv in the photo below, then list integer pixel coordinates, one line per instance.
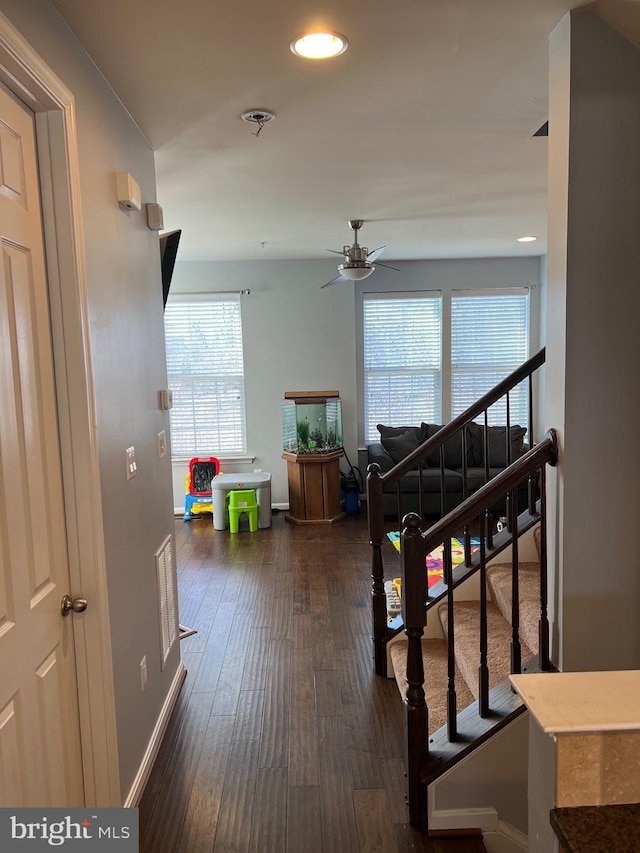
(168, 251)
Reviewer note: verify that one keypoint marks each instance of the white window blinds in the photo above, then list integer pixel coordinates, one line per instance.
(489, 339)
(402, 360)
(206, 374)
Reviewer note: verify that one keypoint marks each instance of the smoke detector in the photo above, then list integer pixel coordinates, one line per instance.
(258, 117)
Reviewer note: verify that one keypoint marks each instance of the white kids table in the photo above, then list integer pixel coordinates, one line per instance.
(225, 483)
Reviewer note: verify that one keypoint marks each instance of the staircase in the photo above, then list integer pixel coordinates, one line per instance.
(454, 684)
(467, 639)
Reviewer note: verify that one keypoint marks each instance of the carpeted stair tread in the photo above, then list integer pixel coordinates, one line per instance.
(467, 642)
(499, 583)
(434, 657)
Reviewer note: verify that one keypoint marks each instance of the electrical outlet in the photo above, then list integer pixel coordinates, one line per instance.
(162, 444)
(130, 459)
(143, 673)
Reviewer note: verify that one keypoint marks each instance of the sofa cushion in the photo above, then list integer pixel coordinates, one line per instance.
(399, 446)
(453, 447)
(389, 431)
(410, 483)
(496, 436)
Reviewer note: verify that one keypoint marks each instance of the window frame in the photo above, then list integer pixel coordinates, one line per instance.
(499, 369)
(235, 423)
(480, 277)
(386, 370)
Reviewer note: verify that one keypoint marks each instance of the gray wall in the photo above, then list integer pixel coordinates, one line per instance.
(296, 336)
(127, 342)
(299, 337)
(593, 345)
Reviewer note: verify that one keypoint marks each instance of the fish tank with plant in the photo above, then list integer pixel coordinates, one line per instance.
(311, 422)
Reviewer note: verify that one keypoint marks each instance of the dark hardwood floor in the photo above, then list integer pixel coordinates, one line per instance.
(283, 739)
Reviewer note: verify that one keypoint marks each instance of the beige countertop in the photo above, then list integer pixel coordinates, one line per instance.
(572, 702)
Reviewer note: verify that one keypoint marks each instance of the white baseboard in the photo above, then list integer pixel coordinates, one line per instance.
(178, 511)
(507, 839)
(483, 819)
(135, 793)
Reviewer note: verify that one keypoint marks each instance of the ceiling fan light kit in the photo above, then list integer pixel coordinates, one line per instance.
(358, 260)
(356, 273)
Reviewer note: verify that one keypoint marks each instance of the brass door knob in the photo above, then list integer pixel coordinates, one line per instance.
(78, 605)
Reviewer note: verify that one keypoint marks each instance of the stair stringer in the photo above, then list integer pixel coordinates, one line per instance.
(486, 787)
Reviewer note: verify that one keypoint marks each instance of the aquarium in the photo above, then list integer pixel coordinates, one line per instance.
(311, 422)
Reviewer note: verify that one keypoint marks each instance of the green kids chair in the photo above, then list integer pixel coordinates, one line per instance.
(243, 500)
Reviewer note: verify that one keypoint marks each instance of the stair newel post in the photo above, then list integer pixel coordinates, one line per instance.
(376, 537)
(452, 702)
(483, 672)
(413, 568)
(543, 630)
(516, 650)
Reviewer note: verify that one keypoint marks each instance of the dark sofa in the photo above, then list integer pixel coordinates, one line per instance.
(397, 442)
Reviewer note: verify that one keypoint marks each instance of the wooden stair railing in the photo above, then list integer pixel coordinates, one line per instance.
(378, 483)
(416, 543)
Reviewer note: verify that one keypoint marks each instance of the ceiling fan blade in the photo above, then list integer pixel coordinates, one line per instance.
(333, 281)
(335, 251)
(375, 253)
(388, 266)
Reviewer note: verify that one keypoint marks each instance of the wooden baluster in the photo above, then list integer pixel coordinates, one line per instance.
(531, 483)
(543, 630)
(507, 456)
(465, 494)
(420, 492)
(413, 568)
(485, 442)
(452, 703)
(375, 510)
(443, 511)
(483, 672)
(516, 650)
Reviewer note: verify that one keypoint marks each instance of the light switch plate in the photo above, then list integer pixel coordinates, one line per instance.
(162, 444)
(130, 459)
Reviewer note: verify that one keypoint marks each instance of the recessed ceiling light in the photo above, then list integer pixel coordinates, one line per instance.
(319, 45)
(530, 239)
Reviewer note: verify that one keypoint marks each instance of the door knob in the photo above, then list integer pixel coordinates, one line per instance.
(78, 605)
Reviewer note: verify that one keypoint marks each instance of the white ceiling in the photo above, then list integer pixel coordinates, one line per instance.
(423, 128)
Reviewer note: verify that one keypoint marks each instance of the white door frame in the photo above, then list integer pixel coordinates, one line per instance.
(31, 80)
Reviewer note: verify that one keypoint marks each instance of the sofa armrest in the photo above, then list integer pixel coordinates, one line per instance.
(377, 453)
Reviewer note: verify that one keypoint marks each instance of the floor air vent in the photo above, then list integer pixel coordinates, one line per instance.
(167, 610)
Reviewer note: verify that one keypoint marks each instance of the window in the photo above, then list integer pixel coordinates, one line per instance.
(402, 361)
(489, 339)
(206, 374)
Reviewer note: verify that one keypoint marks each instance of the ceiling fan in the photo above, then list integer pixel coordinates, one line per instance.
(358, 260)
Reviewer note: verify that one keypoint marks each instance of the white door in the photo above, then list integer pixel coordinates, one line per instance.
(40, 759)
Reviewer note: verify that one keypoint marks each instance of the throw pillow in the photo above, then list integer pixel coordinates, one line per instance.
(496, 439)
(453, 447)
(399, 446)
(389, 431)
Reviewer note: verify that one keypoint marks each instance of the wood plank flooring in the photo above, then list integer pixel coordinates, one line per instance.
(283, 739)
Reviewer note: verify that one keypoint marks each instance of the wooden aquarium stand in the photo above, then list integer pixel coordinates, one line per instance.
(314, 487)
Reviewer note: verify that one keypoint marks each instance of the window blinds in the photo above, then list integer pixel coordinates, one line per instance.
(489, 339)
(206, 375)
(402, 360)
